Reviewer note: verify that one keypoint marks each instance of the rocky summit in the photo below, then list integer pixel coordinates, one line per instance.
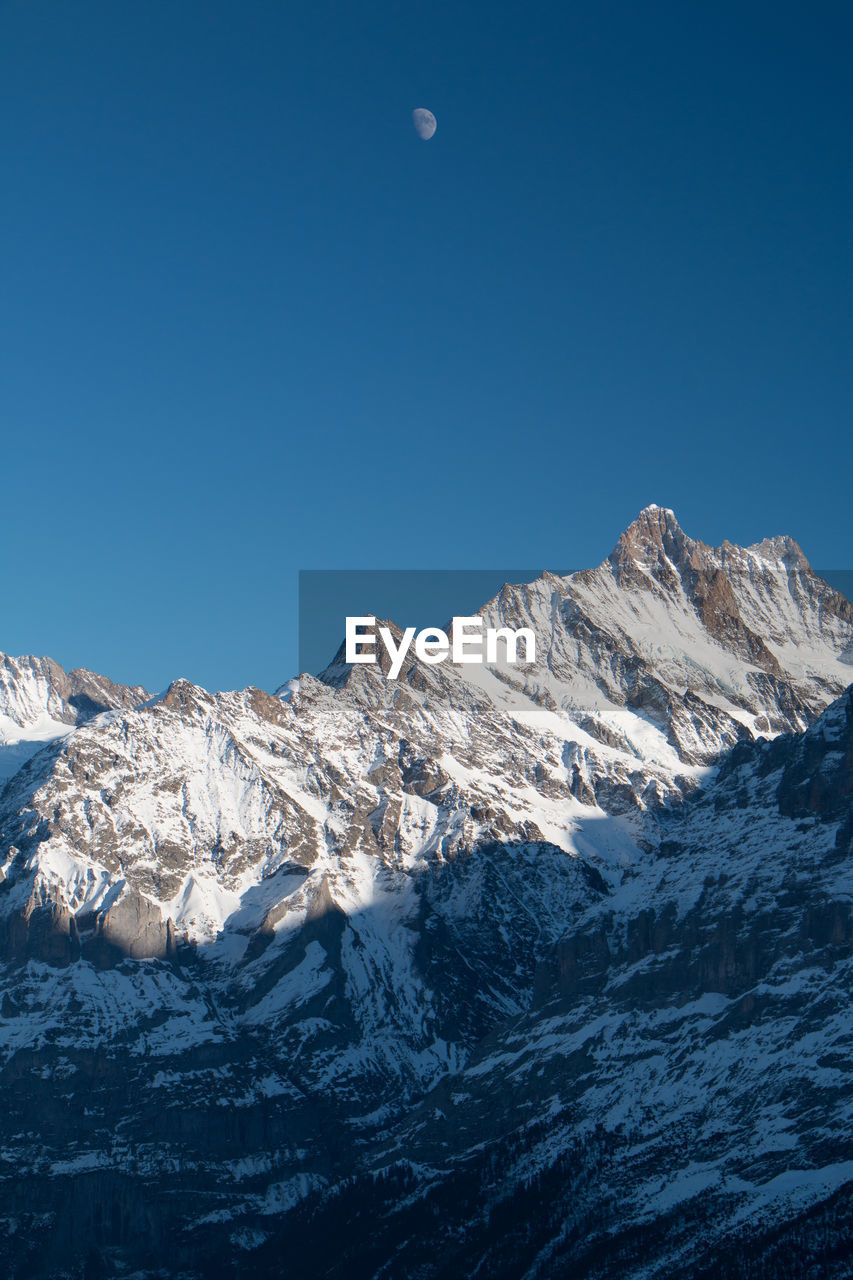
(536, 970)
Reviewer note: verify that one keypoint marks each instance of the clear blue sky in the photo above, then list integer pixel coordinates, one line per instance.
(250, 322)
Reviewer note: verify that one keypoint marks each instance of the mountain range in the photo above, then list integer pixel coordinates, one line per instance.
(520, 971)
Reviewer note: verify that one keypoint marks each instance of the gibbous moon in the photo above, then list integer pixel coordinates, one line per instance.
(424, 122)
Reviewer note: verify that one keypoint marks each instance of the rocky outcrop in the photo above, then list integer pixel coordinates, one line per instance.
(135, 927)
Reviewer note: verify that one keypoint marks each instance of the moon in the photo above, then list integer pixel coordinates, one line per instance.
(424, 122)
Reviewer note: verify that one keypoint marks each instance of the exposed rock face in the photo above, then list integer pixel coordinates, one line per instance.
(563, 946)
(135, 927)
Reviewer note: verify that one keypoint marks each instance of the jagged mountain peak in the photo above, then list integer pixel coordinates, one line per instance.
(182, 694)
(31, 687)
(654, 542)
(655, 516)
(40, 701)
(781, 551)
(707, 643)
(656, 539)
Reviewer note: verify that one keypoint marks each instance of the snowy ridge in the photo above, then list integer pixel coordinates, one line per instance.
(558, 922)
(39, 702)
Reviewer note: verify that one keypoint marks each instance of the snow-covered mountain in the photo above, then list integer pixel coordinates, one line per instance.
(676, 1099)
(40, 702)
(444, 947)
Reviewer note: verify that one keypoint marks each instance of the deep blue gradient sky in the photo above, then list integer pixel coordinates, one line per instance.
(250, 323)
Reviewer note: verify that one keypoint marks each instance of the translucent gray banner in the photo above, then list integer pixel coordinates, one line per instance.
(413, 598)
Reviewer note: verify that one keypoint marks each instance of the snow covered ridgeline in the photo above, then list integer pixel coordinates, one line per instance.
(361, 892)
(218, 818)
(709, 644)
